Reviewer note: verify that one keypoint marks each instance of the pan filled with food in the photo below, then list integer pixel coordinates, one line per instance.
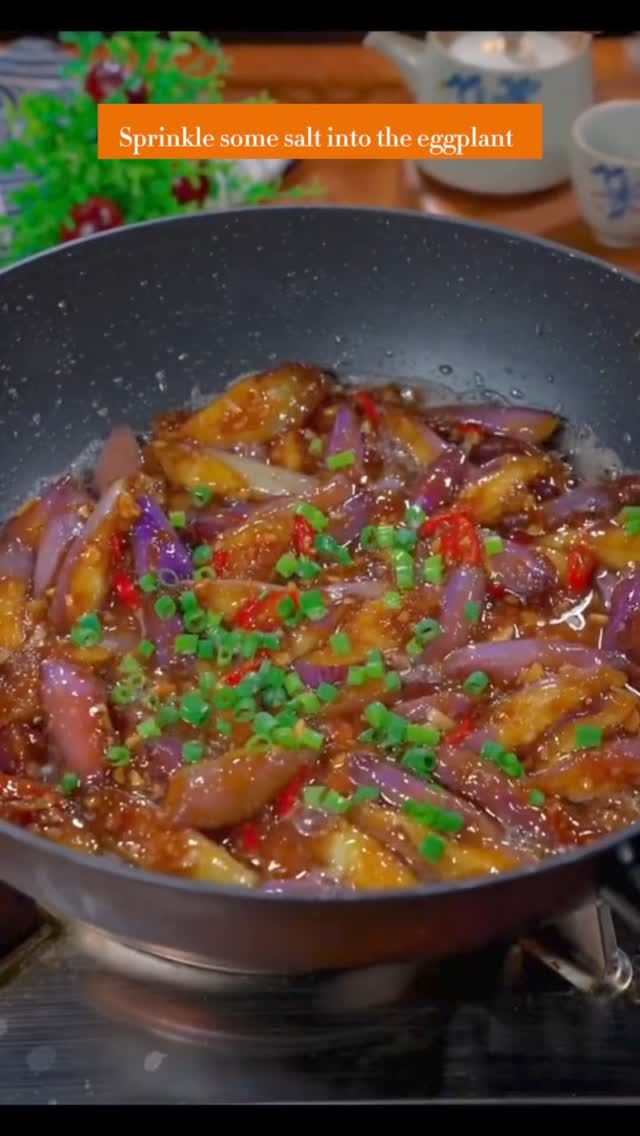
(319, 585)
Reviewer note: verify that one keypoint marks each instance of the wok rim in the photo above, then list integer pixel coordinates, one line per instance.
(460, 223)
(117, 869)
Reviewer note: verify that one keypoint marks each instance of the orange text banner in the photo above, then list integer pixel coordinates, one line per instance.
(320, 130)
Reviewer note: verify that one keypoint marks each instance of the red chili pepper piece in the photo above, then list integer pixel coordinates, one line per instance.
(291, 792)
(220, 561)
(368, 408)
(118, 545)
(303, 537)
(262, 613)
(459, 540)
(126, 590)
(581, 565)
(460, 732)
(250, 836)
(496, 590)
(238, 673)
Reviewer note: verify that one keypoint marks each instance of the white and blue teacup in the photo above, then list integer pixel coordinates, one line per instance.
(605, 169)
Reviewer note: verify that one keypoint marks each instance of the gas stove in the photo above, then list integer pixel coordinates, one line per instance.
(85, 1019)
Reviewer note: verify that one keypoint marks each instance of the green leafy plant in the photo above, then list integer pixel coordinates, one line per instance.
(53, 139)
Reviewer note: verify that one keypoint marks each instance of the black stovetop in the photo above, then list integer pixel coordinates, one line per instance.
(78, 1025)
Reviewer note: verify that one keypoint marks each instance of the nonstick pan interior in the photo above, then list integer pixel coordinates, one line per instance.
(124, 326)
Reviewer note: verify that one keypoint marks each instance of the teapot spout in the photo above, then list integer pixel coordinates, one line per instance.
(405, 51)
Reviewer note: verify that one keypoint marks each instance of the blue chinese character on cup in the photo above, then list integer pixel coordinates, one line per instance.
(516, 89)
(471, 88)
(467, 88)
(621, 194)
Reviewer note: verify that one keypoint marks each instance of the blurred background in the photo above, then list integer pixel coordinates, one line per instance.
(305, 66)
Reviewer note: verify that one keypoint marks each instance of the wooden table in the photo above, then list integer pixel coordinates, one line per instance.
(351, 73)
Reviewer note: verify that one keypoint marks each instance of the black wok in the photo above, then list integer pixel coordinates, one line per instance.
(123, 326)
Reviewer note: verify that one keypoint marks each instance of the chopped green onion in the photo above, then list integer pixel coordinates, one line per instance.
(327, 692)
(186, 644)
(148, 583)
(287, 716)
(293, 684)
(224, 698)
(364, 793)
(195, 620)
(206, 649)
(193, 709)
(328, 546)
(415, 647)
(315, 446)
(510, 763)
(285, 737)
(392, 681)
(178, 519)
(356, 676)
(493, 544)
(129, 665)
(342, 460)
(270, 640)
(308, 703)
(421, 761)
(537, 797)
(631, 519)
(123, 693)
(119, 756)
(393, 600)
(149, 728)
(202, 495)
(165, 607)
(385, 536)
(206, 573)
(312, 605)
(87, 631)
(207, 682)
(415, 516)
(433, 569)
(318, 796)
(376, 714)
(491, 751)
(308, 569)
(433, 848)
(146, 648)
(203, 554)
(423, 735)
(223, 727)
(167, 714)
(286, 607)
(395, 731)
(441, 819)
(314, 516)
(287, 565)
(368, 536)
(374, 666)
(588, 737)
(403, 569)
(188, 602)
(311, 739)
(340, 643)
(264, 723)
(68, 783)
(427, 630)
(405, 538)
(476, 683)
(245, 709)
(193, 752)
(472, 611)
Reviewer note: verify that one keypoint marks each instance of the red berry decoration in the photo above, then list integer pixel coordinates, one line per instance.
(94, 216)
(106, 77)
(185, 191)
